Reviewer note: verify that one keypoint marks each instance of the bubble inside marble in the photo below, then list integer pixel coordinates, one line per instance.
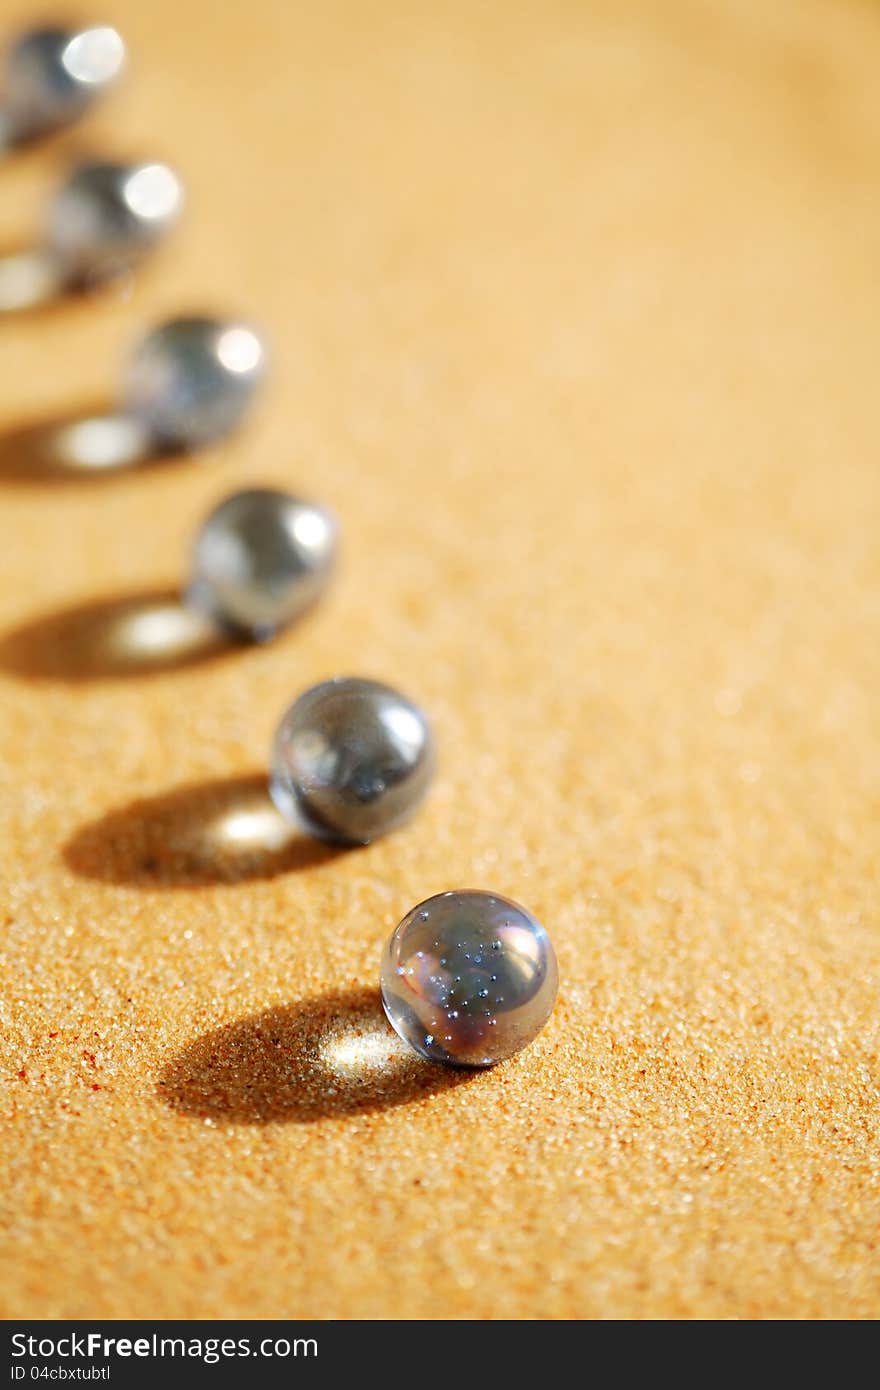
(192, 380)
(261, 558)
(469, 978)
(352, 759)
(106, 217)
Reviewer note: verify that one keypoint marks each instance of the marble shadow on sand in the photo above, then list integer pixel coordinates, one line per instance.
(32, 285)
(325, 1057)
(226, 830)
(132, 635)
(91, 444)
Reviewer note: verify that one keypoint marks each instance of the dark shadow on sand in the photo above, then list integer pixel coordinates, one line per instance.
(113, 638)
(322, 1058)
(92, 444)
(222, 831)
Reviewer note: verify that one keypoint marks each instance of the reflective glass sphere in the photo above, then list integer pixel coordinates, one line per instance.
(53, 75)
(352, 760)
(108, 216)
(469, 978)
(192, 380)
(261, 558)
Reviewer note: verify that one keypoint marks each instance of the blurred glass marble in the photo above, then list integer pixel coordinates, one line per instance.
(261, 558)
(469, 978)
(103, 221)
(192, 380)
(107, 217)
(352, 759)
(52, 76)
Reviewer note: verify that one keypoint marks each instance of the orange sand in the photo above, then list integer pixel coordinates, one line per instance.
(574, 307)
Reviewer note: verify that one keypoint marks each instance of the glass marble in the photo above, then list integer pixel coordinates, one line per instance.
(352, 760)
(107, 217)
(261, 558)
(469, 978)
(53, 75)
(192, 380)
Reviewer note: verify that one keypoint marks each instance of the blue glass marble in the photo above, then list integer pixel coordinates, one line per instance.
(469, 978)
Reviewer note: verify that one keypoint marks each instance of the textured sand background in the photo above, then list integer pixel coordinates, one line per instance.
(575, 316)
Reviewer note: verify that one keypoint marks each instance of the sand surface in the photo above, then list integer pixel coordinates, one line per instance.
(574, 310)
